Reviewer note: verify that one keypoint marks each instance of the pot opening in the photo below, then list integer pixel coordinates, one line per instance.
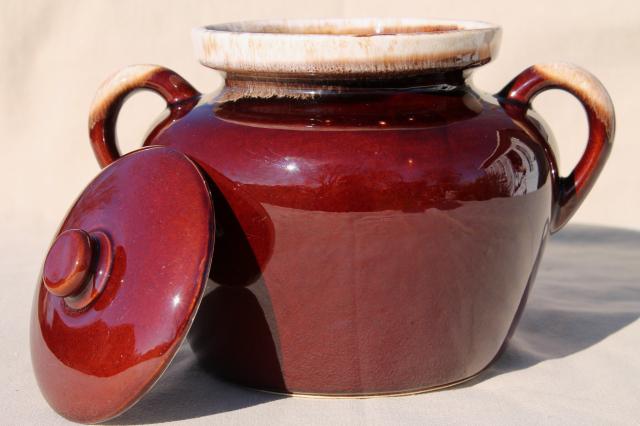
(356, 28)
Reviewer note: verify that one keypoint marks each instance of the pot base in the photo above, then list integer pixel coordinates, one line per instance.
(362, 395)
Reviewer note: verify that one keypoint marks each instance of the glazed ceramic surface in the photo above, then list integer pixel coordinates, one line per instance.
(121, 284)
(379, 221)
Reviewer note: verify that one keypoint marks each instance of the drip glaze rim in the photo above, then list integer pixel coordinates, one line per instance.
(346, 46)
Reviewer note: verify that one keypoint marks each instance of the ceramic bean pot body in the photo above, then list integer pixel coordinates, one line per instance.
(373, 242)
(378, 223)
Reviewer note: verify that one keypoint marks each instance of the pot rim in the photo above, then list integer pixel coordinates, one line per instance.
(346, 46)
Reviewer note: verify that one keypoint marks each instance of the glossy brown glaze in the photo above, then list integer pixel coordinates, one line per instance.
(93, 354)
(99, 273)
(374, 236)
(517, 97)
(115, 90)
(379, 222)
(66, 267)
(371, 238)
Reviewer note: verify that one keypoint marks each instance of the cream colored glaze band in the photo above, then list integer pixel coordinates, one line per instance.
(345, 46)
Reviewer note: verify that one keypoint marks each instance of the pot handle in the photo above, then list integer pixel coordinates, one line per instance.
(571, 190)
(115, 90)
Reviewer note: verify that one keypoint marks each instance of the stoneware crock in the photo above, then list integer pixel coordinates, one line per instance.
(378, 220)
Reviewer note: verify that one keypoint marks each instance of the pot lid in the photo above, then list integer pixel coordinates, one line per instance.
(121, 284)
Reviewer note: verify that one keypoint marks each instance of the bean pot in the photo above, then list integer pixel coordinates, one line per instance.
(347, 216)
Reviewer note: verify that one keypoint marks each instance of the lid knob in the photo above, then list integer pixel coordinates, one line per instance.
(68, 263)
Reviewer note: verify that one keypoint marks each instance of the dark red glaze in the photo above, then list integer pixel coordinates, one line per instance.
(573, 189)
(66, 267)
(173, 88)
(373, 236)
(100, 271)
(394, 229)
(78, 267)
(94, 362)
(371, 239)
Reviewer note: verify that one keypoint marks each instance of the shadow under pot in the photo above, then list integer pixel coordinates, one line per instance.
(378, 221)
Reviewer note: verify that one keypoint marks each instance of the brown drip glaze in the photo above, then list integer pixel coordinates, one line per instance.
(516, 98)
